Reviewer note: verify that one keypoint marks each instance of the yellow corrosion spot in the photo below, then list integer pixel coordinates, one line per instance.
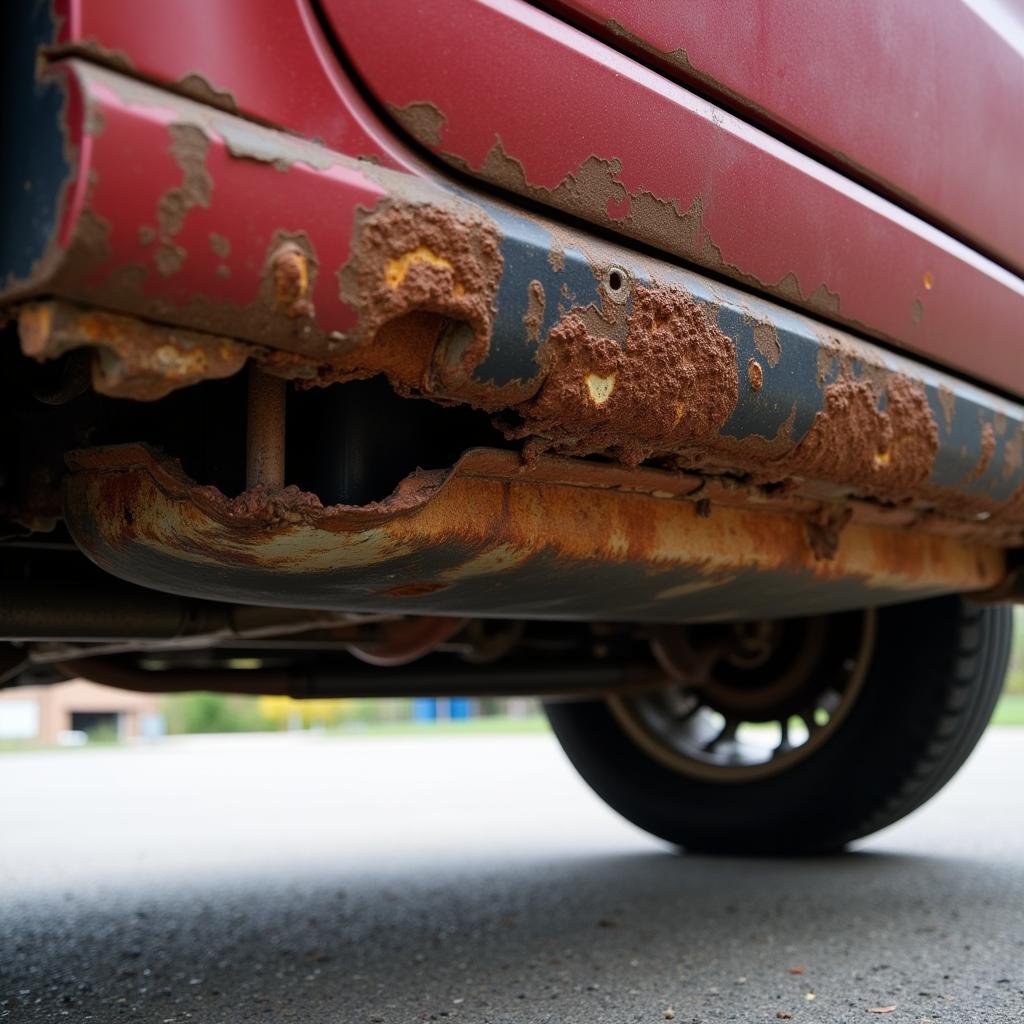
(680, 412)
(929, 281)
(600, 388)
(291, 275)
(883, 458)
(396, 269)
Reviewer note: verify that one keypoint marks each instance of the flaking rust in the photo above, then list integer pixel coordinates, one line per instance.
(672, 383)
(885, 452)
(490, 536)
(423, 278)
(132, 359)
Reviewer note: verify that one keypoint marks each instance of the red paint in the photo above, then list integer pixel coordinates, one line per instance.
(130, 168)
(556, 96)
(269, 55)
(922, 98)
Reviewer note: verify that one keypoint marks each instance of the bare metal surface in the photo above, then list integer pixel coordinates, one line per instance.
(313, 880)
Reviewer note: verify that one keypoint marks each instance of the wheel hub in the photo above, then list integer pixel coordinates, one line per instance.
(749, 699)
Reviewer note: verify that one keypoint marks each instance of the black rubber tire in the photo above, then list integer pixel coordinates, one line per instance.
(935, 675)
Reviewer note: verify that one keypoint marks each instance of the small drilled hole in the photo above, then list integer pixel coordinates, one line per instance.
(616, 284)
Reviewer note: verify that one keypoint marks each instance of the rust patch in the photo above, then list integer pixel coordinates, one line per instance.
(132, 359)
(422, 120)
(220, 245)
(664, 224)
(948, 402)
(189, 146)
(264, 506)
(766, 341)
(292, 268)
(93, 49)
(1013, 454)
(415, 589)
(674, 381)
(755, 375)
(824, 529)
(556, 256)
(533, 318)
(157, 521)
(988, 448)
(594, 192)
(887, 453)
(412, 260)
(196, 87)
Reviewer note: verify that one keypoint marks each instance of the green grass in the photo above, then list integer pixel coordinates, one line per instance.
(1009, 710)
(21, 746)
(488, 726)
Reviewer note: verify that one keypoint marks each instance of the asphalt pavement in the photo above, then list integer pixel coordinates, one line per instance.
(321, 879)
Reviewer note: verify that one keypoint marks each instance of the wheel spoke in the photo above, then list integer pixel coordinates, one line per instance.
(784, 745)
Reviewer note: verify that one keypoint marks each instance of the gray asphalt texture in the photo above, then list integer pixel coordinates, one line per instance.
(321, 879)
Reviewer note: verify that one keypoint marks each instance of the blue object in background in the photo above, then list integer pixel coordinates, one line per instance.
(424, 709)
(459, 708)
(433, 709)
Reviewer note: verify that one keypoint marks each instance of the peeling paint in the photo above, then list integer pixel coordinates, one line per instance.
(594, 192)
(766, 341)
(197, 87)
(423, 121)
(220, 245)
(189, 146)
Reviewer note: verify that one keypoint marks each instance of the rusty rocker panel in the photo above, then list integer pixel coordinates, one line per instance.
(812, 451)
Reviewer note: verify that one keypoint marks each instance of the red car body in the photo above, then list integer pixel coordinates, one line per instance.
(650, 351)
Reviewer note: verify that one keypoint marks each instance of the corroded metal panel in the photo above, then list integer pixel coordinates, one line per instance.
(492, 539)
(513, 95)
(577, 346)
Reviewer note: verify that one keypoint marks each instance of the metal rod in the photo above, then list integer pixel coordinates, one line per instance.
(85, 610)
(332, 680)
(265, 432)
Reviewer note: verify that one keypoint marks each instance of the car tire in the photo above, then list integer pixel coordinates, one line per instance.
(934, 674)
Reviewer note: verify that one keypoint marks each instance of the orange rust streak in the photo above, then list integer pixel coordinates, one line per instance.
(135, 359)
(505, 523)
